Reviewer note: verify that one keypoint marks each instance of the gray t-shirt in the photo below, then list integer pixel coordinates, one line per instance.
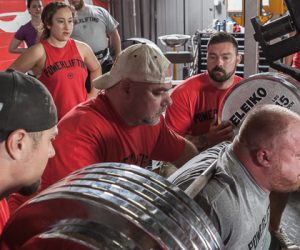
(91, 26)
(237, 206)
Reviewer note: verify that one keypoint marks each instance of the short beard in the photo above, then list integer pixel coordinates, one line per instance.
(221, 79)
(29, 190)
(279, 183)
(152, 121)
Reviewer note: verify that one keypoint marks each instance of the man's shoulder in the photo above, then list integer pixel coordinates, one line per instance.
(87, 113)
(237, 79)
(221, 186)
(197, 165)
(192, 84)
(196, 80)
(95, 8)
(221, 190)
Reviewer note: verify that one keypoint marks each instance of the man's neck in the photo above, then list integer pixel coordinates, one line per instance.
(244, 157)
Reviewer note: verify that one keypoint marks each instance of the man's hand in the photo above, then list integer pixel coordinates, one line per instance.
(216, 134)
(219, 132)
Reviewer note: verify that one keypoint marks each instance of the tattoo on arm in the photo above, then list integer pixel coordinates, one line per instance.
(200, 141)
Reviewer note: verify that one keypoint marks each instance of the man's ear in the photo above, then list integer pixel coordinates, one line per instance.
(16, 144)
(263, 157)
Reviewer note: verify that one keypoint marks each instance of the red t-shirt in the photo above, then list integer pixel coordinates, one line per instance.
(4, 214)
(94, 132)
(64, 75)
(195, 102)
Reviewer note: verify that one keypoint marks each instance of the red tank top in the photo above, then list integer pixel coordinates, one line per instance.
(296, 60)
(4, 214)
(64, 75)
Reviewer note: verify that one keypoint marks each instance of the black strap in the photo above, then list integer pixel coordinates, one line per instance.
(101, 54)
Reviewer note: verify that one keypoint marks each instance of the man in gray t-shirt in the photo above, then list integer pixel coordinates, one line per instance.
(263, 157)
(94, 25)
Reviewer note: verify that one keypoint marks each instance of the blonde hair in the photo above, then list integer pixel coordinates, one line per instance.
(265, 125)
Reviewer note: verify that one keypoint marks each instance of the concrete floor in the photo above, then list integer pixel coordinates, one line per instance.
(291, 219)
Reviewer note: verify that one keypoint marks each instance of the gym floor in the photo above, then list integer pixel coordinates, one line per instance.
(291, 218)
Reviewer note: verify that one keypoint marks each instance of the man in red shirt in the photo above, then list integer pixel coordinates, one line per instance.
(193, 113)
(124, 123)
(27, 127)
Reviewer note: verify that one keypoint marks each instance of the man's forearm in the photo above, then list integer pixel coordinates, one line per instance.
(115, 42)
(200, 141)
(188, 153)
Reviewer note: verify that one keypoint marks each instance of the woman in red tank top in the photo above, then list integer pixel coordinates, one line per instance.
(60, 62)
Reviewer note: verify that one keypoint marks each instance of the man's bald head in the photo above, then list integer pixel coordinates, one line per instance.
(265, 126)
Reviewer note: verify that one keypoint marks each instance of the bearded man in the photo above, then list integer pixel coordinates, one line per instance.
(193, 113)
